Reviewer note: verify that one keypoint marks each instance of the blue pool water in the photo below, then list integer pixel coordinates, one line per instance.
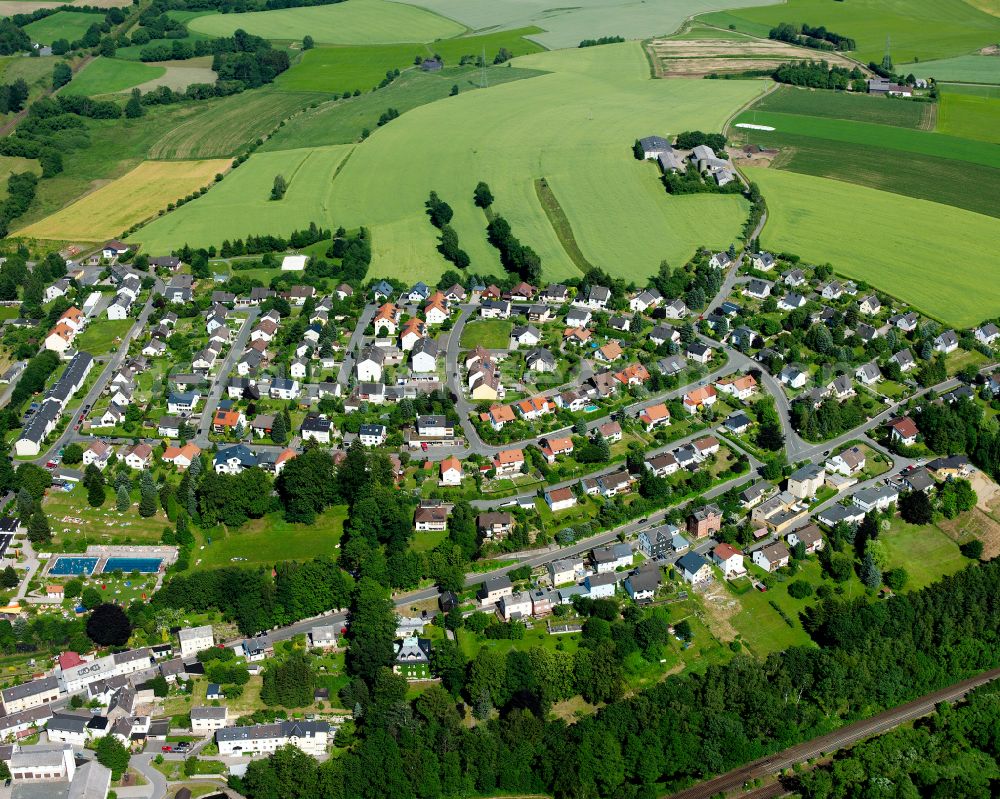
(73, 566)
(592, 408)
(143, 565)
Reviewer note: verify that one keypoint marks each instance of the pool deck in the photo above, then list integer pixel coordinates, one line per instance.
(166, 556)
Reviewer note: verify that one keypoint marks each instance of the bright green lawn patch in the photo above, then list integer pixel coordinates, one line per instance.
(272, 539)
(933, 261)
(970, 116)
(971, 68)
(107, 75)
(926, 553)
(844, 105)
(426, 541)
(574, 127)
(493, 334)
(357, 22)
(100, 336)
(919, 29)
(891, 138)
(69, 25)
(974, 90)
(535, 637)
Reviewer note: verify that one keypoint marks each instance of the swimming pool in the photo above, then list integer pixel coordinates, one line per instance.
(64, 566)
(591, 408)
(142, 565)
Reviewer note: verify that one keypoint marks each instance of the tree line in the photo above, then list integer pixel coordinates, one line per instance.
(514, 256)
(440, 214)
(817, 38)
(816, 75)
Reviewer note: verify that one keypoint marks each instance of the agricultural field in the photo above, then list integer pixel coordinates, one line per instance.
(225, 126)
(679, 58)
(969, 116)
(110, 75)
(241, 203)
(69, 25)
(971, 68)
(933, 261)
(357, 22)
(574, 127)
(130, 199)
(972, 89)
(566, 26)
(847, 105)
(181, 74)
(920, 29)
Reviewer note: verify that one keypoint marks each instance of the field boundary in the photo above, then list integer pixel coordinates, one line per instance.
(561, 225)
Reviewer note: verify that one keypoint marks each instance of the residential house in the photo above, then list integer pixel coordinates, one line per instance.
(702, 397)
(423, 356)
(642, 584)
(655, 416)
(493, 589)
(431, 519)
(662, 465)
(868, 374)
(451, 472)
(698, 352)
(946, 342)
(372, 435)
(552, 447)
(658, 543)
(847, 463)
(564, 570)
(791, 301)
(527, 335)
(283, 388)
(704, 521)
(880, 498)
(515, 606)
(987, 334)
(903, 430)
(611, 558)
(209, 719)
(138, 457)
(560, 499)
(742, 388)
(758, 289)
(730, 560)
(233, 460)
(694, 569)
(196, 639)
(495, 525)
(772, 556)
(809, 536)
(508, 462)
(181, 457)
(264, 739)
(805, 482)
(905, 360)
(540, 360)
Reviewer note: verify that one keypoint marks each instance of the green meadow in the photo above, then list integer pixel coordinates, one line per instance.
(69, 25)
(108, 75)
(918, 30)
(969, 116)
(574, 126)
(925, 253)
(845, 105)
(356, 22)
(970, 68)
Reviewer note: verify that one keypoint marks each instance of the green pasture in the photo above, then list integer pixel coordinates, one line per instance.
(108, 75)
(844, 105)
(574, 126)
(356, 22)
(962, 68)
(926, 552)
(342, 69)
(970, 116)
(889, 137)
(69, 25)
(975, 90)
(493, 334)
(925, 253)
(566, 26)
(917, 29)
(100, 336)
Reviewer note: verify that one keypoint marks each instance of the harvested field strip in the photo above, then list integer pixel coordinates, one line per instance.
(179, 78)
(560, 224)
(678, 57)
(141, 193)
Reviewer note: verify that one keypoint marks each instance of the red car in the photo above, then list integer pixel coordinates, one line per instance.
(166, 749)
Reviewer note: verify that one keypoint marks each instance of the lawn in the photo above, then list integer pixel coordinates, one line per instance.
(587, 112)
(108, 75)
(131, 198)
(845, 105)
(537, 636)
(566, 26)
(100, 336)
(918, 29)
(810, 215)
(103, 525)
(357, 22)
(69, 25)
(926, 552)
(970, 116)
(494, 334)
(970, 68)
(272, 539)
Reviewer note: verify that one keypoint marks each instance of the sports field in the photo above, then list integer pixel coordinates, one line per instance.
(109, 75)
(845, 105)
(969, 116)
(566, 26)
(927, 254)
(69, 25)
(971, 68)
(240, 204)
(574, 127)
(356, 22)
(141, 193)
(917, 29)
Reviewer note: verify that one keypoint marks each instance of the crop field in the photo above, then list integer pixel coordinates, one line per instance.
(109, 75)
(69, 25)
(980, 90)
(971, 68)
(919, 29)
(566, 26)
(574, 127)
(891, 138)
(970, 116)
(846, 105)
(927, 177)
(357, 22)
(123, 202)
(240, 204)
(340, 69)
(927, 254)
(679, 58)
(226, 126)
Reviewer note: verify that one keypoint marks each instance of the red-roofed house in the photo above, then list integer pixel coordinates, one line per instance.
(904, 430)
(508, 461)
(553, 447)
(655, 416)
(730, 560)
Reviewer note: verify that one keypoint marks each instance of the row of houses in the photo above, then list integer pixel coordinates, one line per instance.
(45, 418)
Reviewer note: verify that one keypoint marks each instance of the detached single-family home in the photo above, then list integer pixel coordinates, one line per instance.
(772, 557)
(903, 430)
(805, 482)
(730, 560)
(655, 416)
(810, 536)
(694, 569)
(946, 342)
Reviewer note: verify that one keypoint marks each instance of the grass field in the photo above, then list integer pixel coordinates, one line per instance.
(11, 164)
(240, 204)
(226, 126)
(933, 261)
(100, 336)
(108, 75)
(100, 525)
(566, 26)
(976, 90)
(494, 334)
(573, 127)
(962, 68)
(926, 552)
(340, 69)
(357, 22)
(69, 25)
(970, 116)
(919, 29)
(130, 199)
(844, 105)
